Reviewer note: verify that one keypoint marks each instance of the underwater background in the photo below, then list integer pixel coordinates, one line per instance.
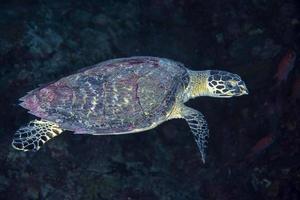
(254, 144)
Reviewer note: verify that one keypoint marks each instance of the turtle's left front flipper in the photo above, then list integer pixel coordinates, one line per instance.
(198, 126)
(34, 135)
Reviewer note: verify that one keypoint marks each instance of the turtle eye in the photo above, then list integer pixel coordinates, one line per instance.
(229, 84)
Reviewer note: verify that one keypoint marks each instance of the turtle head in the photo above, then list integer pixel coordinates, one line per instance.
(225, 84)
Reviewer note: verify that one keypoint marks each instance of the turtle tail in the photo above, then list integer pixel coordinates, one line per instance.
(34, 135)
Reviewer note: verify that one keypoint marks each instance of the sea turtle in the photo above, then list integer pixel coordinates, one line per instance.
(119, 96)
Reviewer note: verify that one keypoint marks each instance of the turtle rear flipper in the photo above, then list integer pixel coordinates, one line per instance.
(34, 135)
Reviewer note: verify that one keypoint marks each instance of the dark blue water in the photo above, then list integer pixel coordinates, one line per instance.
(253, 150)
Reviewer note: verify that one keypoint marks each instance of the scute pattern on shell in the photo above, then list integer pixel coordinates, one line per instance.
(115, 96)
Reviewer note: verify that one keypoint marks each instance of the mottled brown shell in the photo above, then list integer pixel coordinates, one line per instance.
(116, 96)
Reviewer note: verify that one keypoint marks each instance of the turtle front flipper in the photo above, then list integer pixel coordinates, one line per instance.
(197, 124)
(34, 135)
(199, 128)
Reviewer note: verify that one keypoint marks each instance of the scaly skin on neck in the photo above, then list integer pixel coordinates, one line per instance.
(197, 85)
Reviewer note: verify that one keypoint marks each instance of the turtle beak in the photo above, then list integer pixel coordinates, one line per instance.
(243, 90)
(246, 91)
